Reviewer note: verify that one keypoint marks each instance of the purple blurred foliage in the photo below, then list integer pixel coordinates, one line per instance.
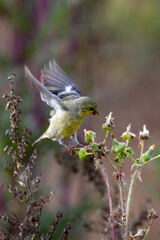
(35, 12)
(41, 8)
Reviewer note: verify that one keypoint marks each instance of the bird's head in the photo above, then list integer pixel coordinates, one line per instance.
(87, 106)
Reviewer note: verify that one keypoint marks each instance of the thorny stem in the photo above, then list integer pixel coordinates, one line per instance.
(104, 171)
(130, 195)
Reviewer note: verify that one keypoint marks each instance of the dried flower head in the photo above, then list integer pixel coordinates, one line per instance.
(144, 134)
(128, 135)
(147, 155)
(24, 183)
(152, 214)
(108, 125)
(140, 234)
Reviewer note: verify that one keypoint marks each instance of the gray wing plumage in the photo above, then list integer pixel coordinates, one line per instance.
(47, 96)
(57, 82)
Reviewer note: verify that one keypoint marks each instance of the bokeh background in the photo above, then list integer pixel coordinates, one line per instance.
(111, 49)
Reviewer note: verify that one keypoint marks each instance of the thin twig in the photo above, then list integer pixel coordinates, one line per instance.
(104, 171)
(158, 156)
(104, 141)
(110, 161)
(149, 228)
(121, 197)
(132, 158)
(129, 202)
(130, 194)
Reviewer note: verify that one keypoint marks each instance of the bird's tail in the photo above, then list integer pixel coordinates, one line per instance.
(39, 139)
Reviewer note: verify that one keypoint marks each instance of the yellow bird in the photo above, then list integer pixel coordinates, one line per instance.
(69, 106)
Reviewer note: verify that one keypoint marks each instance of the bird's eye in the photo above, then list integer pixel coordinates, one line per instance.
(91, 109)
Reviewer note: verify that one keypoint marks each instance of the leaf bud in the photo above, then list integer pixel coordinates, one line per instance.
(89, 136)
(147, 155)
(82, 153)
(130, 151)
(128, 135)
(95, 148)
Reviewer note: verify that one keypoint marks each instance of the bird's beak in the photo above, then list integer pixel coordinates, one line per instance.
(95, 113)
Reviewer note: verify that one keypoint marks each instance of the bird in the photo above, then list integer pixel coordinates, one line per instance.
(70, 107)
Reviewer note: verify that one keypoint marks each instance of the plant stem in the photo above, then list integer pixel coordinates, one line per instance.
(127, 142)
(130, 156)
(130, 193)
(121, 192)
(104, 141)
(141, 152)
(149, 228)
(151, 159)
(129, 202)
(121, 197)
(110, 161)
(104, 171)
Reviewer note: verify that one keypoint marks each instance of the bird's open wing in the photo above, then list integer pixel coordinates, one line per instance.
(57, 81)
(48, 97)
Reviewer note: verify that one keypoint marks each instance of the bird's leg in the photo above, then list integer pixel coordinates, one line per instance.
(61, 142)
(75, 140)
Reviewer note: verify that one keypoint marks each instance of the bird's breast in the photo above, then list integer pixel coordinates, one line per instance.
(64, 124)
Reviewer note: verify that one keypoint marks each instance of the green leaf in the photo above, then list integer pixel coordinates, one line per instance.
(130, 151)
(117, 147)
(95, 148)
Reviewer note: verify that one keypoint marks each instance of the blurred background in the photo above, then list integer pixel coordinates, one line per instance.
(111, 49)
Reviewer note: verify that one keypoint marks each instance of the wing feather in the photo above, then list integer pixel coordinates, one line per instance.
(48, 97)
(58, 82)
